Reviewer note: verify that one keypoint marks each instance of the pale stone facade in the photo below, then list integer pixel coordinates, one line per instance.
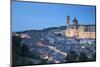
(79, 33)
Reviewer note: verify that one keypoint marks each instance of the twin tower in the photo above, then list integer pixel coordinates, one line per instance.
(75, 23)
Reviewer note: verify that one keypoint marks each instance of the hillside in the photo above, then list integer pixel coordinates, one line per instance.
(49, 46)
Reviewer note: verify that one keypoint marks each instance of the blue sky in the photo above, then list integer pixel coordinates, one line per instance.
(29, 16)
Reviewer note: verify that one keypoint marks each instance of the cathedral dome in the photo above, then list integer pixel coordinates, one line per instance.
(75, 21)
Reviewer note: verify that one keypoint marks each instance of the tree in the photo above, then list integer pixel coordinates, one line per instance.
(93, 57)
(25, 50)
(83, 57)
(16, 49)
(43, 61)
(71, 57)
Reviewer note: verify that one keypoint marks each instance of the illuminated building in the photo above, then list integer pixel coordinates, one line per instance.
(80, 31)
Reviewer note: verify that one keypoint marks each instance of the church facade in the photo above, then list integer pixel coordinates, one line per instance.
(79, 31)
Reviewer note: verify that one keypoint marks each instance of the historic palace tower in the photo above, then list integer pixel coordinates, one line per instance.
(68, 23)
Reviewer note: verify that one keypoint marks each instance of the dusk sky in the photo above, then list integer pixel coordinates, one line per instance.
(30, 16)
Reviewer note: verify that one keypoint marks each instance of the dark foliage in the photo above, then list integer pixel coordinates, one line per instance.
(43, 61)
(71, 57)
(83, 57)
(20, 53)
(16, 49)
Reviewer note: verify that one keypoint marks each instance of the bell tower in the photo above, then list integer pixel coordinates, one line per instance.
(68, 23)
(67, 26)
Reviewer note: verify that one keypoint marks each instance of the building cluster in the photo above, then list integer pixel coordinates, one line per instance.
(54, 45)
(79, 31)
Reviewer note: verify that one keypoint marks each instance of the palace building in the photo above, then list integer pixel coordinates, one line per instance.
(79, 31)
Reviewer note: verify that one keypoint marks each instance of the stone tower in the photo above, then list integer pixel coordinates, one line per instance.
(68, 22)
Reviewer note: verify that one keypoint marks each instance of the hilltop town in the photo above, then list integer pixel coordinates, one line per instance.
(71, 43)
